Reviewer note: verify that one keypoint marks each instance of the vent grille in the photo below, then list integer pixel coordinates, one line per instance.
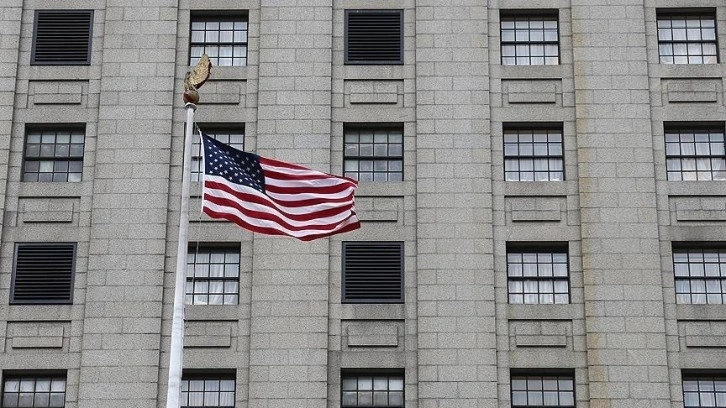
(374, 37)
(43, 274)
(373, 272)
(62, 37)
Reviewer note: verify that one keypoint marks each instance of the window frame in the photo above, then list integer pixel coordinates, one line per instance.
(66, 127)
(370, 300)
(542, 373)
(707, 374)
(195, 248)
(534, 127)
(702, 247)
(224, 374)
(219, 17)
(346, 57)
(536, 248)
(373, 127)
(372, 372)
(537, 14)
(670, 13)
(33, 55)
(35, 374)
(680, 128)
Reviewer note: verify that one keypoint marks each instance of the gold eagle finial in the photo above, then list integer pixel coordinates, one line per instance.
(196, 78)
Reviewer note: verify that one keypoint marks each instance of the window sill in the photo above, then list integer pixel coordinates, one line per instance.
(695, 188)
(701, 71)
(701, 312)
(543, 312)
(368, 311)
(50, 189)
(539, 188)
(533, 71)
(60, 72)
(213, 312)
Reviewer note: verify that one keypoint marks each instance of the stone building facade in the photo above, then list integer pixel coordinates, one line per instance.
(542, 199)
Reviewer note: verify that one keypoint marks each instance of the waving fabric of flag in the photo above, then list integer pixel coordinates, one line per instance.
(273, 197)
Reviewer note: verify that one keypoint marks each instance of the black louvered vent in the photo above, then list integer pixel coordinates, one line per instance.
(43, 274)
(374, 37)
(62, 37)
(372, 272)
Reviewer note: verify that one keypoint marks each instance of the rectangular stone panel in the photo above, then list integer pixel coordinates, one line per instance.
(372, 333)
(47, 210)
(36, 335)
(208, 334)
(692, 90)
(379, 209)
(385, 92)
(532, 91)
(702, 334)
(57, 92)
(535, 209)
(539, 333)
(698, 209)
(224, 92)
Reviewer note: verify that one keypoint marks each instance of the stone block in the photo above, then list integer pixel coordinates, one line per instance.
(540, 333)
(535, 209)
(532, 91)
(383, 92)
(372, 333)
(692, 90)
(698, 209)
(36, 335)
(208, 334)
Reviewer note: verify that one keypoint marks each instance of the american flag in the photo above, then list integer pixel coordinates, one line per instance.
(273, 197)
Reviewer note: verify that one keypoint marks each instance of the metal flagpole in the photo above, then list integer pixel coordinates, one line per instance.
(193, 81)
(177, 325)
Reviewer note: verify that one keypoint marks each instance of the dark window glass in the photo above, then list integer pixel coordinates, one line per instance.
(533, 155)
(62, 37)
(223, 39)
(373, 153)
(704, 391)
(530, 40)
(372, 272)
(687, 39)
(54, 155)
(543, 391)
(373, 36)
(43, 273)
(538, 276)
(234, 137)
(695, 153)
(34, 391)
(372, 390)
(700, 275)
(208, 390)
(212, 275)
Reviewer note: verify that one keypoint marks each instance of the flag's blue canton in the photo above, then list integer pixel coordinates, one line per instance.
(234, 165)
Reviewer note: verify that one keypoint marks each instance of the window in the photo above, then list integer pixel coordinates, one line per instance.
(208, 390)
(533, 154)
(703, 390)
(530, 40)
(373, 36)
(373, 153)
(372, 272)
(538, 274)
(212, 275)
(687, 38)
(62, 37)
(695, 153)
(233, 136)
(223, 39)
(555, 390)
(54, 155)
(43, 273)
(377, 390)
(700, 275)
(34, 391)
